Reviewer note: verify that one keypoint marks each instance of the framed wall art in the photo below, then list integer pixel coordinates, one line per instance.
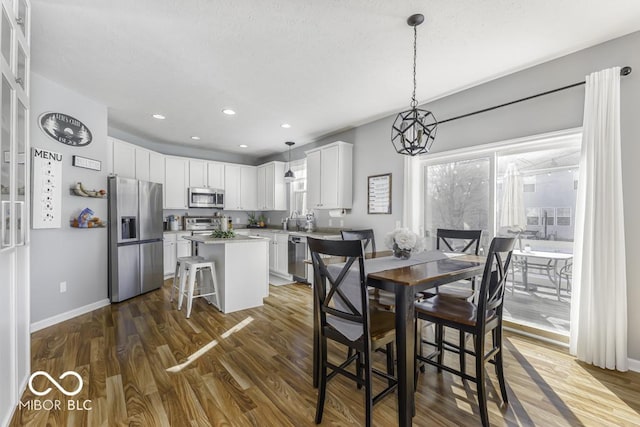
(379, 194)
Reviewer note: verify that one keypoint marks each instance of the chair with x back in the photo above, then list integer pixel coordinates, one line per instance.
(477, 319)
(341, 304)
(463, 241)
(365, 235)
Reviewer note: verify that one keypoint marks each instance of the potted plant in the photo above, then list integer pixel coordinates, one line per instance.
(404, 242)
(253, 222)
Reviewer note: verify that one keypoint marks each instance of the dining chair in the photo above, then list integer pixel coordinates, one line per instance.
(475, 318)
(344, 316)
(461, 241)
(366, 235)
(383, 299)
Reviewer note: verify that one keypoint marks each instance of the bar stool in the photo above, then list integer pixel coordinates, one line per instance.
(194, 268)
(178, 282)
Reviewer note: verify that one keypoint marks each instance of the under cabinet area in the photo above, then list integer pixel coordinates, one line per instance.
(330, 176)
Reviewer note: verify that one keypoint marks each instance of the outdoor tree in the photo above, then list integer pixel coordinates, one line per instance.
(458, 195)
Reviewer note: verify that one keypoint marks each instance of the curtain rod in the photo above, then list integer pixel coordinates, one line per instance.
(624, 71)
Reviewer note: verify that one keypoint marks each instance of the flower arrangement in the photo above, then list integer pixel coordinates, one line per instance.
(404, 242)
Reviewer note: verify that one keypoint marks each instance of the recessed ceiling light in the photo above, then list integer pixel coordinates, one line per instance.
(159, 116)
(228, 111)
(195, 138)
(285, 125)
(243, 146)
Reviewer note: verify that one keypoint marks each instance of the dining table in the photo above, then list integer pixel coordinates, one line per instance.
(426, 272)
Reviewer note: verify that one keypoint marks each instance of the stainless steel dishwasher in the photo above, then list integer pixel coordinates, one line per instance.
(297, 255)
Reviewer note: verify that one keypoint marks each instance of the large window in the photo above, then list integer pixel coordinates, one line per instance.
(298, 188)
(457, 195)
(524, 189)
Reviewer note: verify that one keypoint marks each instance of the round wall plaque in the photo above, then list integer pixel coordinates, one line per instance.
(65, 129)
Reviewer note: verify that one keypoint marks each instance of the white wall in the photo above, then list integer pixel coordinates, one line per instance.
(77, 256)
(373, 152)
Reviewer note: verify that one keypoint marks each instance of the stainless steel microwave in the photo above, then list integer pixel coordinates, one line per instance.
(206, 198)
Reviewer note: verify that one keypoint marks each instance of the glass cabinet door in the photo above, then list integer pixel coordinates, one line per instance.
(22, 17)
(6, 186)
(21, 174)
(7, 38)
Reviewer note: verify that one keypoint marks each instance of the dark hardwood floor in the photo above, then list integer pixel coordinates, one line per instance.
(259, 374)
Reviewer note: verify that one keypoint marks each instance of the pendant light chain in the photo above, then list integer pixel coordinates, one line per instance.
(414, 102)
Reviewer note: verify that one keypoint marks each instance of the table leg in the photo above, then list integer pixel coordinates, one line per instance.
(405, 346)
(525, 274)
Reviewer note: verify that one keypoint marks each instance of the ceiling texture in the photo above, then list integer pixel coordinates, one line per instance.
(320, 65)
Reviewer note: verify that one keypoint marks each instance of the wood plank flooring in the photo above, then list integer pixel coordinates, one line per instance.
(260, 375)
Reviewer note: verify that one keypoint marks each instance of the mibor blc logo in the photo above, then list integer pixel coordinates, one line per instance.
(50, 404)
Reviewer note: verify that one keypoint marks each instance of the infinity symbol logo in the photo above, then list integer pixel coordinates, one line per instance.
(50, 378)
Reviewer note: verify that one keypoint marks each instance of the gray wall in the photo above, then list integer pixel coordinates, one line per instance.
(373, 152)
(77, 256)
(181, 150)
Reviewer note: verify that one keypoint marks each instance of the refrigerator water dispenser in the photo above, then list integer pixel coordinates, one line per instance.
(128, 227)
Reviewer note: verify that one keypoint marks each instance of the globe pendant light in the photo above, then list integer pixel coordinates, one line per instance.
(289, 175)
(414, 130)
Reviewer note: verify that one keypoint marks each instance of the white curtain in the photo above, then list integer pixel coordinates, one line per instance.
(599, 298)
(411, 209)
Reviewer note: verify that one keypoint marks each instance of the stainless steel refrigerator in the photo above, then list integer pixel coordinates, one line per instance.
(135, 237)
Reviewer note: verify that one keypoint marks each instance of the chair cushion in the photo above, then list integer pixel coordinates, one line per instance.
(451, 309)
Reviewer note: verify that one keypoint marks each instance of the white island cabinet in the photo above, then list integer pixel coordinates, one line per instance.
(242, 269)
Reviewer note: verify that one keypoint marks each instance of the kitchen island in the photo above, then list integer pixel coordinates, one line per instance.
(242, 269)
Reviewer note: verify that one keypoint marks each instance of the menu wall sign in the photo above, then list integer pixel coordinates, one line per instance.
(65, 129)
(379, 194)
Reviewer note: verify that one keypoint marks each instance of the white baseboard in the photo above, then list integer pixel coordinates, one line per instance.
(50, 321)
(634, 365)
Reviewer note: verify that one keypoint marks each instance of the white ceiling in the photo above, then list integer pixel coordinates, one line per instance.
(320, 65)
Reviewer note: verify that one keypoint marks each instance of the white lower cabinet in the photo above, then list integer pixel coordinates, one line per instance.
(282, 257)
(169, 247)
(278, 252)
(174, 247)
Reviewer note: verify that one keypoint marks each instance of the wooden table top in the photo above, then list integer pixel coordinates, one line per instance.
(431, 271)
(442, 270)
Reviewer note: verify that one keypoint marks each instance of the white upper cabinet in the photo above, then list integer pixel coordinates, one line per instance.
(142, 164)
(271, 187)
(176, 177)
(330, 176)
(248, 191)
(240, 187)
(215, 175)
(124, 159)
(156, 167)
(197, 173)
(232, 187)
(314, 178)
(131, 161)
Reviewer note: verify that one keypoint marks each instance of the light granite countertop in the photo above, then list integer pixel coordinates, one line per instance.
(213, 241)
